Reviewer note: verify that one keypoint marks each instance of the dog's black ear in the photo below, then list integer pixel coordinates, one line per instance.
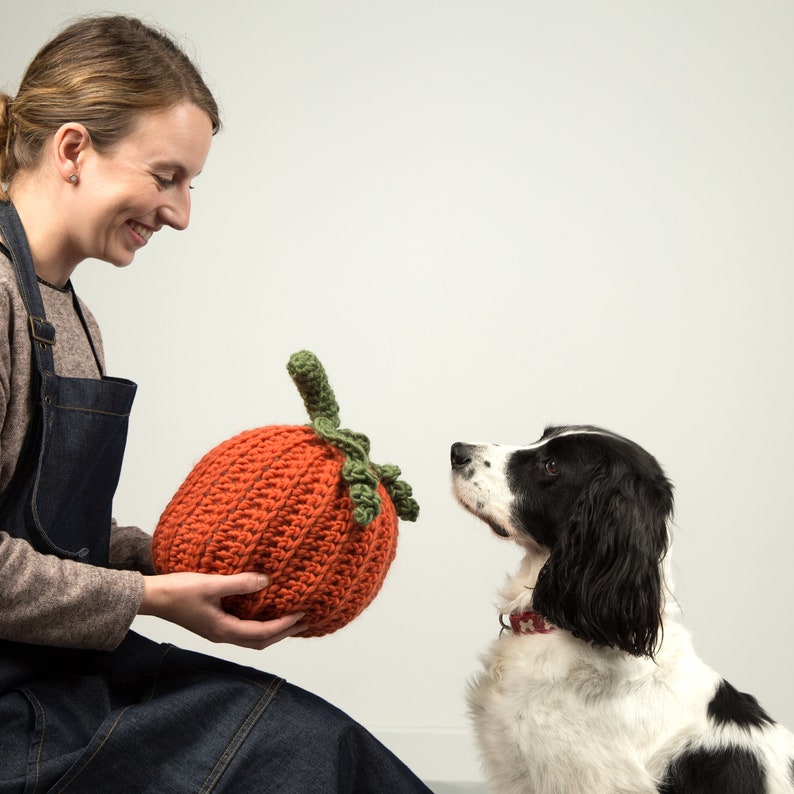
(603, 580)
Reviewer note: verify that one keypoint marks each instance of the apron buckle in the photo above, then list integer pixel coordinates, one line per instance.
(41, 330)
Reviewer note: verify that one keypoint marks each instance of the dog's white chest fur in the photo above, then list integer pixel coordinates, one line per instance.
(554, 716)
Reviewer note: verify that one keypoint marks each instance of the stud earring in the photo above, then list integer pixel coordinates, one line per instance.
(73, 178)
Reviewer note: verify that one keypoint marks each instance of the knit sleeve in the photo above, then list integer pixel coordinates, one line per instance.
(130, 549)
(49, 601)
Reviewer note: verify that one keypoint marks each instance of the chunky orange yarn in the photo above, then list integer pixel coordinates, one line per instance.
(274, 499)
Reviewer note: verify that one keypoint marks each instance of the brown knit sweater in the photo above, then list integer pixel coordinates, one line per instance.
(43, 599)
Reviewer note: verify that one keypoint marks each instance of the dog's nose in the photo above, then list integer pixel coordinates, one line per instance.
(460, 455)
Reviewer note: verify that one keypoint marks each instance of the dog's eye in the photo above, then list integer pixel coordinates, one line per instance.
(552, 468)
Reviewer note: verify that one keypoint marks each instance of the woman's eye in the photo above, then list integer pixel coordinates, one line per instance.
(163, 181)
(552, 468)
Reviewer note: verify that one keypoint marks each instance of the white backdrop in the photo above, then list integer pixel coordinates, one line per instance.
(483, 217)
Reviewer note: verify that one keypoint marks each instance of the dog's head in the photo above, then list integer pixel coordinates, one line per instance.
(598, 505)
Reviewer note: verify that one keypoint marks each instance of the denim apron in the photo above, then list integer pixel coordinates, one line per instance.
(145, 717)
(61, 493)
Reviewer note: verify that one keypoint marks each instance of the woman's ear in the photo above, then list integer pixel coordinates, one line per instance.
(603, 579)
(69, 145)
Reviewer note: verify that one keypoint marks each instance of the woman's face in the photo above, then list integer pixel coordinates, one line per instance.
(140, 185)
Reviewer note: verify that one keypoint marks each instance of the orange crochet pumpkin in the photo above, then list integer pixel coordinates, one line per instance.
(302, 503)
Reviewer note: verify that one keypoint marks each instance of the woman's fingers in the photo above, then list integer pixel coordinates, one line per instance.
(261, 634)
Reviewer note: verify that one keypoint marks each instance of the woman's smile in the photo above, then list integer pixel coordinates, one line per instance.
(140, 231)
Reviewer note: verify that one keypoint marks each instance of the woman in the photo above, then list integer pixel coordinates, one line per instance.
(98, 149)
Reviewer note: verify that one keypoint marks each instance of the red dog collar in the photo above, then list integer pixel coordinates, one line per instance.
(530, 622)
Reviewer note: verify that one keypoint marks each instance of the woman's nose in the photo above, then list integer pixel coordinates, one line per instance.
(176, 213)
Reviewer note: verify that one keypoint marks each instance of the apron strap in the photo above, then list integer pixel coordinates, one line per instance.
(42, 332)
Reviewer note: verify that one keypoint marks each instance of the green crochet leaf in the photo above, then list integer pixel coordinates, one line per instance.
(361, 475)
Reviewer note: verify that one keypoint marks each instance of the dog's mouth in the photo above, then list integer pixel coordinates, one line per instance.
(478, 511)
(497, 529)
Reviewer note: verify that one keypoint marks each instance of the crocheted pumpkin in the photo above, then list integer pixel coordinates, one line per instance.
(303, 504)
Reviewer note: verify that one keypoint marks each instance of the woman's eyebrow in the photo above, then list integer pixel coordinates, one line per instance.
(170, 165)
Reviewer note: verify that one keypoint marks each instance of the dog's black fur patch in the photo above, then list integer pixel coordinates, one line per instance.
(729, 770)
(731, 706)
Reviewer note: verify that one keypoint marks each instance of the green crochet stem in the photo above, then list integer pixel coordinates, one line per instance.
(361, 475)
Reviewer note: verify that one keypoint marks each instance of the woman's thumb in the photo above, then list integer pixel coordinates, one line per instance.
(242, 583)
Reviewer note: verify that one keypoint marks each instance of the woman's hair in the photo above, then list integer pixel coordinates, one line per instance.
(102, 72)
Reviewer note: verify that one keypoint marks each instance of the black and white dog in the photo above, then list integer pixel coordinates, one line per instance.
(595, 687)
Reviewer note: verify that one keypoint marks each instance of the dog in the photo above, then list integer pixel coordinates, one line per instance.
(594, 685)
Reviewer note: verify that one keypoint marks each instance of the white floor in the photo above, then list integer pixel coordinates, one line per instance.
(457, 788)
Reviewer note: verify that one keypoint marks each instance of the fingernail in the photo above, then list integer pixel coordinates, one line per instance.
(263, 581)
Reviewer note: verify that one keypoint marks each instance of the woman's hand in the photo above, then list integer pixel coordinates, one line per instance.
(193, 601)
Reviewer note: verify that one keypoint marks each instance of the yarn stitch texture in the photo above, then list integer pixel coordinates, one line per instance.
(302, 503)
